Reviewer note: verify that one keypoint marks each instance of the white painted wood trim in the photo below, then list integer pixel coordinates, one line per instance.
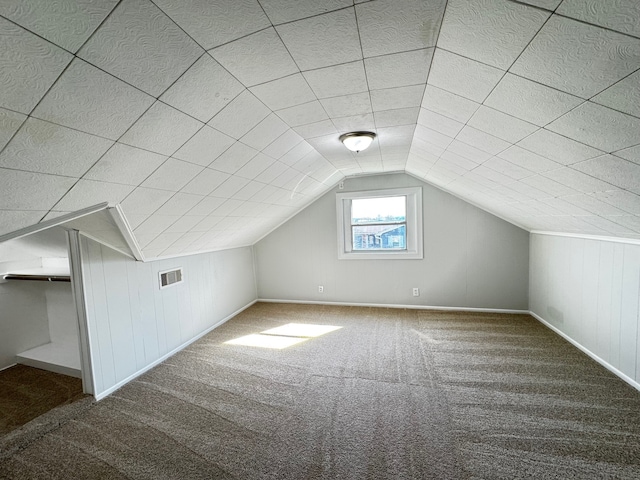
(127, 232)
(120, 384)
(392, 305)
(585, 350)
(38, 227)
(102, 242)
(631, 241)
(78, 295)
(8, 366)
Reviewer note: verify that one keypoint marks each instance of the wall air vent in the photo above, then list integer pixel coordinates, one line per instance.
(170, 277)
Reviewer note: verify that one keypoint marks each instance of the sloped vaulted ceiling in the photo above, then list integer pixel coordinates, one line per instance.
(212, 121)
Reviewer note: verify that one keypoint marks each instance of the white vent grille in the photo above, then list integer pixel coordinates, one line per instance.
(170, 277)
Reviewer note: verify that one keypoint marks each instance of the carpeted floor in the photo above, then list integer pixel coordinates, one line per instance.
(393, 394)
(26, 393)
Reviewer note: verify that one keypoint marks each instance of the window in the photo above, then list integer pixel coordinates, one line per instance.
(380, 224)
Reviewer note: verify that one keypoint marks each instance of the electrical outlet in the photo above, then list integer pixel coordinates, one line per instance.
(320, 289)
(416, 292)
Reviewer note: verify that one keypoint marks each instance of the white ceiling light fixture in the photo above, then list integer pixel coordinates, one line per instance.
(357, 141)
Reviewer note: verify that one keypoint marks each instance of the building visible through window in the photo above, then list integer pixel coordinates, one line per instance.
(379, 223)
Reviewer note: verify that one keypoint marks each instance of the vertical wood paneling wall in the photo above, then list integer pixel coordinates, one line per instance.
(133, 324)
(590, 291)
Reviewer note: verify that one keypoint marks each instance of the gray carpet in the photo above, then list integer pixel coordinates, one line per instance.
(394, 394)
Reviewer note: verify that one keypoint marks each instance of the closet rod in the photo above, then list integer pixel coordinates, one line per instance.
(40, 278)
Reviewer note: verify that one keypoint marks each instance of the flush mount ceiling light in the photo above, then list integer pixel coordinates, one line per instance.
(357, 141)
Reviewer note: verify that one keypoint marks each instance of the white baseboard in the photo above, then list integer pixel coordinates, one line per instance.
(8, 366)
(120, 384)
(391, 305)
(585, 350)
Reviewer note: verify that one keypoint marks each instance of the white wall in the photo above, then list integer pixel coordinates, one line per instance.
(61, 312)
(132, 323)
(23, 319)
(589, 290)
(471, 258)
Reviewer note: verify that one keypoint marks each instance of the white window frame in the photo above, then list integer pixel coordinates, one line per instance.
(414, 225)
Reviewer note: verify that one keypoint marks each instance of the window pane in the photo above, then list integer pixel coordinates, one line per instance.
(378, 210)
(379, 237)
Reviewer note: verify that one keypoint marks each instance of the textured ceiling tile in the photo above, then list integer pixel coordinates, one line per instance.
(620, 15)
(10, 122)
(614, 170)
(214, 23)
(324, 40)
(468, 151)
(397, 117)
(436, 138)
(205, 182)
(65, 23)
(90, 100)
(318, 129)
(204, 147)
(48, 148)
(265, 132)
(284, 92)
(282, 11)
(529, 160)
(398, 70)
(179, 204)
(451, 159)
(557, 148)
(125, 164)
(142, 46)
(547, 4)
(399, 97)
(255, 166)
(439, 123)
(153, 226)
(302, 114)
(172, 175)
(599, 127)
(632, 154)
(144, 201)
(355, 122)
(623, 96)
(245, 193)
(12, 220)
(234, 158)
(283, 144)
(348, 105)
(593, 205)
(482, 140)
(295, 154)
(577, 58)
(530, 101)
(86, 193)
(255, 59)
(230, 187)
(338, 80)
(491, 31)
(161, 129)
(622, 199)
(462, 76)
(501, 125)
(240, 116)
(391, 26)
(448, 104)
(206, 206)
(507, 168)
(577, 180)
(30, 65)
(549, 186)
(185, 224)
(42, 193)
(203, 90)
